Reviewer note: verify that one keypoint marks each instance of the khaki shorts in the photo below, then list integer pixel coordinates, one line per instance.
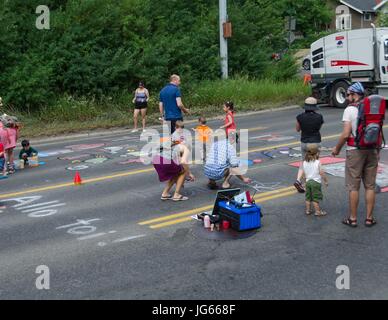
(361, 165)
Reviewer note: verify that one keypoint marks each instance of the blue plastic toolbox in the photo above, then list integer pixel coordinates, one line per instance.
(241, 218)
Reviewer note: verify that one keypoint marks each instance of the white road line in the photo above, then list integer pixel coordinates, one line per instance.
(91, 236)
(37, 205)
(44, 208)
(129, 238)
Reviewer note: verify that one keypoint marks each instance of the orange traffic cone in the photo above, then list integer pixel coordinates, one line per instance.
(77, 179)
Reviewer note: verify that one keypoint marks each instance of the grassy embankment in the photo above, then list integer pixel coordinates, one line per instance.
(75, 115)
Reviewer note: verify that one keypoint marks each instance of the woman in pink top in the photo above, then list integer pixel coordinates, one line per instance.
(4, 136)
(230, 125)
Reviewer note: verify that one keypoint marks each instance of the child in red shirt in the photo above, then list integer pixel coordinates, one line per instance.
(230, 125)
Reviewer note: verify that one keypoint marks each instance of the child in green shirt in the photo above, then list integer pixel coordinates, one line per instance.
(27, 152)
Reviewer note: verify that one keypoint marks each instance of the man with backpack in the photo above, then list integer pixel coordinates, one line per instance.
(363, 134)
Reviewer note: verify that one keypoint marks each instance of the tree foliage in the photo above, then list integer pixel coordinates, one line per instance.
(382, 19)
(101, 48)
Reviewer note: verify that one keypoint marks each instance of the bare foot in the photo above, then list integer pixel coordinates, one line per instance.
(225, 185)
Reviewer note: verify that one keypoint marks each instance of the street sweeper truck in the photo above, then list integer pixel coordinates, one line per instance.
(341, 58)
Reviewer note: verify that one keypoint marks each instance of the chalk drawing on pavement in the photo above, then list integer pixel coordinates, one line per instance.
(113, 150)
(129, 161)
(45, 154)
(134, 154)
(86, 230)
(269, 154)
(81, 147)
(97, 160)
(76, 168)
(338, 170)
(124, 138)
(272, 138)
(35, 210)
(81, 227)
(264, 186)
(79, 157)
(284, 150)
(323, 160)
(246, 162)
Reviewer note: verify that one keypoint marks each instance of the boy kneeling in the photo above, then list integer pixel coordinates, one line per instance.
(26, 152)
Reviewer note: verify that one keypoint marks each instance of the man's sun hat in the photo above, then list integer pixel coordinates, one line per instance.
(311, 104)
(357, 88)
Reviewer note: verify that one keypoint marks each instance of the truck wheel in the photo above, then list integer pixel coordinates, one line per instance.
(338, 94)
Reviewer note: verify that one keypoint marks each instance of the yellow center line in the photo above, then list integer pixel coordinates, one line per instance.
(291, 143)
(257, 129)
(184, 219)
(205, 208)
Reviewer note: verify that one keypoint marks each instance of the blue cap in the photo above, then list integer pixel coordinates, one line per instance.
(357, 88)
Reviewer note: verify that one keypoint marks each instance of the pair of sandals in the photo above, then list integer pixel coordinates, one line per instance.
(353, 223)
(170, 197)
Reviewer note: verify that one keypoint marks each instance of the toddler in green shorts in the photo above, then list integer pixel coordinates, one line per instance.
(312, 170)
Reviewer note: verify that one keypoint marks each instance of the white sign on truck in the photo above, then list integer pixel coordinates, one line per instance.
(339, 59)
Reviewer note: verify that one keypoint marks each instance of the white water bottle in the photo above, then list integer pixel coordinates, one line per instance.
(206, 222)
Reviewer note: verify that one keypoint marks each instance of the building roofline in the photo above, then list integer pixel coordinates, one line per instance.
(377, 7)
(352, 7)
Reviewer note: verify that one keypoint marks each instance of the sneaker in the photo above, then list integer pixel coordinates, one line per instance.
(320, 213)
(299, 187)
(144, 130)
(134, 130)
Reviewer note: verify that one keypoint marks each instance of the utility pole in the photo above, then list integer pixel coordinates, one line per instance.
(223, 40)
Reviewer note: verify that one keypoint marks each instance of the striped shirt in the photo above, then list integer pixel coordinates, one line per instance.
(222, 156)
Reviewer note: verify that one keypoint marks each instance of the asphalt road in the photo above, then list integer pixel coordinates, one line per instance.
(113, 238)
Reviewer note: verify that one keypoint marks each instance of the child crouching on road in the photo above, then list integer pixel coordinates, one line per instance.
(27, 152)
(314, 174)
(180, 136)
